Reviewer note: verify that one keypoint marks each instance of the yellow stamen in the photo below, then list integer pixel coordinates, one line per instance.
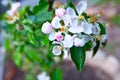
(80, 17)
(59, 48)
(16, 14)
(93, 19)
(10, 18)
(62, 29)
(99, 38)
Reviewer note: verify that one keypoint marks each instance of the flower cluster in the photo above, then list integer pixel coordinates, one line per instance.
(68, 29)
(12, 14)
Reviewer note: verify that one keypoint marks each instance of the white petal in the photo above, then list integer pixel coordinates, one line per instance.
(79, 42)
(71, 12)
(10, 13)
(81, 7)
(104, 38)
(15, 6)
(56, 22)
(87, 38)
(56, 42)
(56, 51)
(88, 28)
(60, 12)
(76, 28)
(65, 53)
(96, 30)
(67, 20)
(52, 36)
(68, 41)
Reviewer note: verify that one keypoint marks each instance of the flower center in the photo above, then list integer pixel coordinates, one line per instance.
(59, 48)
(10, 18)
(99, 38)
(80, 17)
(93, 19)
(16, 14)
(59, 37)
(62, 29)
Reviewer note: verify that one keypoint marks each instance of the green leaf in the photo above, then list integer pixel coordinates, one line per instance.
(78, 56)
(95, 49)
(104, 44)
(43, 5)
(32, 55)
(57, 74)
(103, 29)
(85, 16)
(88, 46)
(32, 39)
(43, 16)
(17, 57)
(25, 10)
(7, 44)
(70, 4)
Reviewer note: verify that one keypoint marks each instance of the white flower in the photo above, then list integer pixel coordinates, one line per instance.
(58, 48)
(43, 76)
(47, 28)
(12, 14)
(60, 12)
(79, 42)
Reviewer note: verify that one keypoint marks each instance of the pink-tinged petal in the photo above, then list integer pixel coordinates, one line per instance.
(81, 7)
(56, 22)
(60, 12)
(15, 6)
(59, 37)
(47, 28)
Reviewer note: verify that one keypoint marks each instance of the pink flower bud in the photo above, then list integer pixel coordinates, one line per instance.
(60, 12)
(59, 37)
(47, 28)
